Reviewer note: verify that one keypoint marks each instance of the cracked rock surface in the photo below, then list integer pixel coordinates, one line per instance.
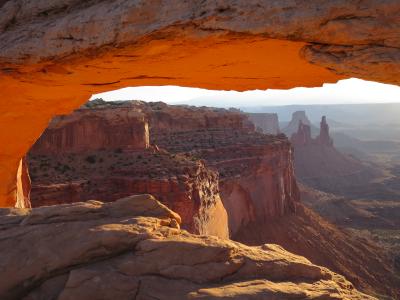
(133, 249)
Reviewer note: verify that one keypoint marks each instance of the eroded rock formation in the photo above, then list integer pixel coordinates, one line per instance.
(256, 170)
(91, 129)
(66, 167)
(252, 173)
(324, 138)
(133, 248)
(320, 165)
(54, 55)
(293, 126)
(265, 122)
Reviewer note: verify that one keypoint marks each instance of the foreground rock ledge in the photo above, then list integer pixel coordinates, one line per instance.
(133, 249)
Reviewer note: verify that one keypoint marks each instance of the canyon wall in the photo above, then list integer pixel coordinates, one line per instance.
(55, 55)
(256, 171)
(265, 122)
(250, 172)
(257, 181)
(101, 151)
(94, 129)
(184, 185)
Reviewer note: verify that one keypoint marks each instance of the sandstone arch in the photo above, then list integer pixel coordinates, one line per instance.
(53, 56)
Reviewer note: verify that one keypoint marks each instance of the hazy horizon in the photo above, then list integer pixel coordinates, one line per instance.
(350, 91)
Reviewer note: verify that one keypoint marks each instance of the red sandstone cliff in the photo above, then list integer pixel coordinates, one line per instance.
(183, 184)
(183, 118)
(94, 129)
(257, 180)
(256, 170)
(66, 167)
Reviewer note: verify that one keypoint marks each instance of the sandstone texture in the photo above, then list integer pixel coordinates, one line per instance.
(133, 249)
(265, 122)
(55, 54)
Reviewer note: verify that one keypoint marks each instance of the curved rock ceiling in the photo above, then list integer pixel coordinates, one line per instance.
(54, 56)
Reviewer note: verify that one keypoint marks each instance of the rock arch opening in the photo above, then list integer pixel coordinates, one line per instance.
(53, 56)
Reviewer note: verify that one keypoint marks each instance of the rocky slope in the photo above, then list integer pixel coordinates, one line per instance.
(265, 122)
(320, 165)
(133, 248)
(305, 233)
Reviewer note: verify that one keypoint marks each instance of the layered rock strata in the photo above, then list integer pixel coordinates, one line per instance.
(181, 183)
(256, 170)
(67, 167)
(133, 248)
(260, 194)
(91, 129)
(252, 172)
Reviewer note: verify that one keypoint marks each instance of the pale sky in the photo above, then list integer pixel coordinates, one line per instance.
(345, 91)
